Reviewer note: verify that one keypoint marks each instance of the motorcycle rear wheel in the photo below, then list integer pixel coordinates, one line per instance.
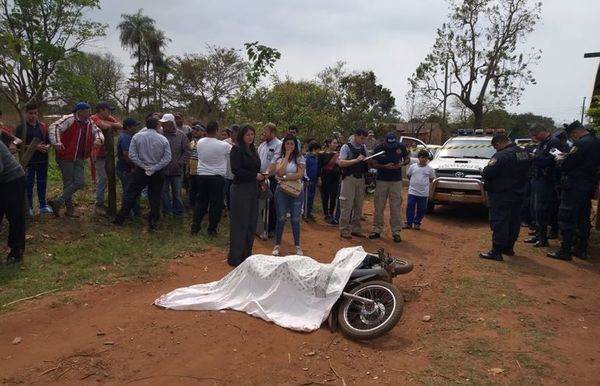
(361, 321)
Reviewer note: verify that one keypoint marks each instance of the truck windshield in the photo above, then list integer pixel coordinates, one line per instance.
(465, 148)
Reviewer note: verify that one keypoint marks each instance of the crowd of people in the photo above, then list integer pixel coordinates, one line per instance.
(261, 186)
(549, 186)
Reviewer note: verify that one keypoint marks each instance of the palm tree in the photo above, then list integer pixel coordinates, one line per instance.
(134, 33)
(157, 40)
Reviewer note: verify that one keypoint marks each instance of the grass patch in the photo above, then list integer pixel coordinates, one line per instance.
(67, 253)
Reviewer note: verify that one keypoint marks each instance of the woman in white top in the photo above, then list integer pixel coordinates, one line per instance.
(290, 167)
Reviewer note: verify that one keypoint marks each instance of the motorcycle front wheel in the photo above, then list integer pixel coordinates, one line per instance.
(362, 321)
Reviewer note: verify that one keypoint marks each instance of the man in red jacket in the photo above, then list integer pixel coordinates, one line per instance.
(109, 125)
(73, 137)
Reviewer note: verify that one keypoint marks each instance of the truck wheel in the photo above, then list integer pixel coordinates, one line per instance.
(430, 207)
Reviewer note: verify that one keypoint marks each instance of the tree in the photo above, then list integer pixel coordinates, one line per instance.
(520, 123)
(594, 113)
(35, 36)
(87, 77)
(136, 33)
(478, 47)
(365, 103)
(204, 83)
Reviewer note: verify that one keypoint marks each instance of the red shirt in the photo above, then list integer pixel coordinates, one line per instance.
(100, 151)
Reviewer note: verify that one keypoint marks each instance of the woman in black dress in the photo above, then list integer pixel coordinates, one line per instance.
(245, 165)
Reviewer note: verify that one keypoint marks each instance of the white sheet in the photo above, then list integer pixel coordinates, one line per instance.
(294, 292)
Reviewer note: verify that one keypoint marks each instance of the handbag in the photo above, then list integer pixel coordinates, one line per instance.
(264, 191)
(291, 188)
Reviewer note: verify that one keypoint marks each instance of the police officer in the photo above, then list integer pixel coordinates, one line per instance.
(352, 192)
(505, 179)
(543, 182)
(579, 179)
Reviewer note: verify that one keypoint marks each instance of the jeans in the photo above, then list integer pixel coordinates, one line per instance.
(37, 172)
(73, 179)
(171, 195)
(100, 166)
(286, 203)
(210, 199)
(311, 188)
(125, 177)
(416, 206)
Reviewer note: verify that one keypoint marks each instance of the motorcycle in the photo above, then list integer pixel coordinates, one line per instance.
(370, 304)
(370, 181)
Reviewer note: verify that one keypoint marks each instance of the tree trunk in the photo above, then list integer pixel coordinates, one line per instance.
(111, 179)
(478, 115)
(139, 77)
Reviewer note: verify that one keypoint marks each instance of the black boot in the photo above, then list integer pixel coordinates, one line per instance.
(491, 255)
(564, 253)
(580, 250)
(553, 234)
(542, 241)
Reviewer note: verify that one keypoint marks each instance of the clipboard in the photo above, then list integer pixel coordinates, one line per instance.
(374, 155)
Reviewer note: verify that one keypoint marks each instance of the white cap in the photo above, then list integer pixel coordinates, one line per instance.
(167, 118)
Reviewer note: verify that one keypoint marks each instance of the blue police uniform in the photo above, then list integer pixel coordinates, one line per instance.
(544, 188)
(505, 182)
(579, 180)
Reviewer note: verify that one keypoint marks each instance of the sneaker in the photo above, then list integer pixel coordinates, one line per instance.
(358, 234)
(275, 251)
(397, 238)
(299, 251)
(374, 235)
(345, 235)
(46, 210)
(407, 226)
(12, 260)
(263, 236)
(417, 227)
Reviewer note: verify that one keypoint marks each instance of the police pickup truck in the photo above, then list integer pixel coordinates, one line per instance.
(457, 166)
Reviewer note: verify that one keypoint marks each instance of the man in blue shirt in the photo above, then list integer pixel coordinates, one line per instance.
(389, 184)
(125, 166)
(150, 152)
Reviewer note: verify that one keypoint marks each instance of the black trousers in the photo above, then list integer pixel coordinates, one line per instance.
(544, 201)
(209, 199)
(505, 219)
(12, 204)
(138, 181)
(242, 222)
(574, 215)
(330, 186)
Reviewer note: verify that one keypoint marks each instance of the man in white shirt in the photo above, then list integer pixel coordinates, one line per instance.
(268, 152)
(213, 158)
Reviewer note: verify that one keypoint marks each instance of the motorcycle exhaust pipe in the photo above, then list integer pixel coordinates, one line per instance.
(359, 298)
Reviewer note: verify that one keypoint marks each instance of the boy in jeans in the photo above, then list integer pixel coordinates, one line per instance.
(420, 175)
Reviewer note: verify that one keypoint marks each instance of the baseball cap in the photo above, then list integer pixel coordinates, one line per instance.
(167, 118)
(130, 122)
(104, 105)
(391, 138)
(198, 126)
(573, 126)
(81, 106)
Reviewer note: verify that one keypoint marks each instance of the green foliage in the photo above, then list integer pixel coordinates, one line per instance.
(86, 77)
(35, 36)
(478, 48)
(593, 113)
(204, 83)
(519, 127)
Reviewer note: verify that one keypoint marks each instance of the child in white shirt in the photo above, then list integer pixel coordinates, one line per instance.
(420, 175)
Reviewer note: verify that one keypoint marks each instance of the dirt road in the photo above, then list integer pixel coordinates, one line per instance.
(528, 320)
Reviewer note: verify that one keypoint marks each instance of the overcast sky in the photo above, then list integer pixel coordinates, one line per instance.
(390, 37)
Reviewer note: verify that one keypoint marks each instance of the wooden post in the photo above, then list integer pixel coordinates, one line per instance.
(111, 179)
